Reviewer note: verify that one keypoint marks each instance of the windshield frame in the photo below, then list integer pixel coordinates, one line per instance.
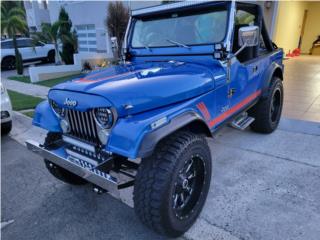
(198, 10)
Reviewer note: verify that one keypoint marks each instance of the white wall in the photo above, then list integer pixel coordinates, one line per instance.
(36, 14)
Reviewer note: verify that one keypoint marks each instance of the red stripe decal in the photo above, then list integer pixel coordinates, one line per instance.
(203, 109)
(206, 111)
(234, 109)
(104, 78)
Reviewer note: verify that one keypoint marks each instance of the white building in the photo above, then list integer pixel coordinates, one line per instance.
(37, 13)
(88, 18)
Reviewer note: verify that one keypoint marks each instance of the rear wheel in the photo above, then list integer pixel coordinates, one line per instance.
(51, 56)
(171, 186)
(6, 128)
(267, 111)
(57, 171)
(8, 63)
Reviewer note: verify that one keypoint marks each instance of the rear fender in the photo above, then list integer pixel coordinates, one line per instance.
(274, 69)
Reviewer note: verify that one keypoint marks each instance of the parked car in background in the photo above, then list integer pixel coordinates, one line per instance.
(29, 51)
(6, 111)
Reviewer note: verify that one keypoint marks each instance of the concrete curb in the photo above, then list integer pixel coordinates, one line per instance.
(22, 129)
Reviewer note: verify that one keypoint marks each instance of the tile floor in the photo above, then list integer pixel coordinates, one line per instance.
(302, 88)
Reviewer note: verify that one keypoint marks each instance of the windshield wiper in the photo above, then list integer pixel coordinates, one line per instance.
(146, 47)
(178, 43)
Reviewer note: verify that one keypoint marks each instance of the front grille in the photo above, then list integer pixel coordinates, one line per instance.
(82, 125)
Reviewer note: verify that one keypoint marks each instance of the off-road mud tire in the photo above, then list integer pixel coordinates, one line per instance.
(157, 178)
(266, 119)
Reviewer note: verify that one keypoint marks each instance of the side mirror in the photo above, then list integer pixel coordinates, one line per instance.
(248, 36)
(115, 47)
(114, 42)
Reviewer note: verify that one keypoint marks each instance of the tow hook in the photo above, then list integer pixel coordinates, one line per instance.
(99, 190)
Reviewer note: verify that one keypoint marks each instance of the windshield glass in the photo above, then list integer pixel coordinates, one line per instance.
(180, 29)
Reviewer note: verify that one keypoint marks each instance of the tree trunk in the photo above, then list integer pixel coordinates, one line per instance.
(18, 58)
(57, 54)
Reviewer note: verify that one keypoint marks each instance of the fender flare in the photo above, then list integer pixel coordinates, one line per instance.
(151, 139)
(45, 118)
(274, 69)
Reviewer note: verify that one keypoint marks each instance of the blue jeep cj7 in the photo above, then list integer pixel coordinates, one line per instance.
(188, 69)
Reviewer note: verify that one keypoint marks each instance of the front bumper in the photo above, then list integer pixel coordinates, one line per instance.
(79, 167)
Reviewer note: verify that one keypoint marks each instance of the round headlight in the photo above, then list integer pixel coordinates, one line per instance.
(104, 117)
(60, 112)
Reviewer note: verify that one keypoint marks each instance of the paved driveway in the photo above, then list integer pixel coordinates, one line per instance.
(302, 88)
(263, 187)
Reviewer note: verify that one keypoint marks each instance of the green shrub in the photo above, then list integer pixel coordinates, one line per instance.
(68, 38)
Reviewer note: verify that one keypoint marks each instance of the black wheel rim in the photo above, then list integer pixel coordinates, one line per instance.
(10, 63)
(188, 187)
(275, 105)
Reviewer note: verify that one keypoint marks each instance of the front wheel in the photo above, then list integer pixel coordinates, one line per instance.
(267, 111)
(6, 128)
(172, 185)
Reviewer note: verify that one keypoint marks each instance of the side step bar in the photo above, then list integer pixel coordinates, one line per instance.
(76, 166)
(242, 122)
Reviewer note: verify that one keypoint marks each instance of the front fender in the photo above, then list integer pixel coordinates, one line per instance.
(151, 139)
(44, 117)
(133, 136)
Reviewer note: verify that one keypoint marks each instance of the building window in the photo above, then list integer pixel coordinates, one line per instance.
(86, 37)
(92, 42)
(90, 27)
(81, 35)
(43, 4)
(91, 35)
(33, 29)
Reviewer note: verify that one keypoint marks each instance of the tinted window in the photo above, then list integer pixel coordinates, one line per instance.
(244, 18)
(196, 29)
(39, 44)
(24, 43)
(7, 45)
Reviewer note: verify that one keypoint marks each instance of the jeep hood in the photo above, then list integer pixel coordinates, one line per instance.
(143, 86)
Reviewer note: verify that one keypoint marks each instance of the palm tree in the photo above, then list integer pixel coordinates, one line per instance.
(50, 33)
(13, 22)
